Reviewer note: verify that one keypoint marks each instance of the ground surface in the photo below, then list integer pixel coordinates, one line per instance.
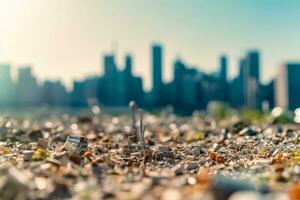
(171, 157)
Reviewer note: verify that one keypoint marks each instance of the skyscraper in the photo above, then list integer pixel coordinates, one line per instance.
(209, 89)
(128, 65)
(251, 85)
(179, 71)
(77, 96)
(223, 79)
(223, 69)
(157, 59)
(54, 93)
(236, 92)
(288, 86)
(127, 80)
(6, 85)
(266, 95)
(27, 88)
(189, 94)
(110, 68)
(112, 77)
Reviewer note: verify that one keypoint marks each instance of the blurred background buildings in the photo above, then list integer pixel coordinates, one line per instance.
(189, 90)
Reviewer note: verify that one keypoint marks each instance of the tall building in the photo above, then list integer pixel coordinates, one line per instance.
(137, 90)
(6, 85)
(128, 66)
(189, 94)
(179, 71)
(157, 62)
(236, 91)
(223, 79)
(185, 86)
(77, 96)
(223, 69)
(114, 95)
(91, 87)
(288, 86)
(54, 93)
(209, 89)
(266, 95)
(251, 78)
(128, 80)
(110, 68)
(28, 91)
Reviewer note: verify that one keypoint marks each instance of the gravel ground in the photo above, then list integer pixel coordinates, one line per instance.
(145, 156)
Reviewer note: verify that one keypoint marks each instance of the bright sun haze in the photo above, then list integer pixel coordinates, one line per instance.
(66, 39)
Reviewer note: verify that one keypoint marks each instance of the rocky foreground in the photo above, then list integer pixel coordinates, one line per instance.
(148, 157)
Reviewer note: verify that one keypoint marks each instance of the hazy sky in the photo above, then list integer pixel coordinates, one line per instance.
(65, 39)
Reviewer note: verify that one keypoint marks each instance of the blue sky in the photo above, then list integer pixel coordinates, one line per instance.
(66, 39)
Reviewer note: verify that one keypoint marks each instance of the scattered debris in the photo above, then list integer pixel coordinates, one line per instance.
(76, 144)
(42, 143)
(147, 156)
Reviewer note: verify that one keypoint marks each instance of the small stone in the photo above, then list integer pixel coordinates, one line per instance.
(237, 127)
(27, 155)
(59, 155)
(212, 155)
(53, 161)
(192, 165)
(42, 143)
(35, 135)
(248, 131)
(178, 169)
(220, 159)
(77, 159)
(196, 151)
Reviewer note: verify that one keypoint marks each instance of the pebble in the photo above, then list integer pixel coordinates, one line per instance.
(192, 165)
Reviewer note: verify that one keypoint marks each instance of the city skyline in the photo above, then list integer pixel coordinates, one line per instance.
(190, 88)
(65, 39)
(122, 63)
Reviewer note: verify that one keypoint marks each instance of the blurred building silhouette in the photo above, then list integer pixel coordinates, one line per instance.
(266, 95)
(185, 87)
(251, 78)
(190, 88)
(223, 79)
(157, 62)
(27, 90)
(7, 89)
(209, 89)
(111, 81)
(53, 93)
(288, 86)
(236, 92)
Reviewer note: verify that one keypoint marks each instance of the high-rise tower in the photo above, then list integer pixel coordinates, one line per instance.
(157, 59)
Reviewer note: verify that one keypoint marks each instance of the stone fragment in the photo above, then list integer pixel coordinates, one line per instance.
(76, 144)
(27, 155)
(35, 135)
(192, 165)
(248, 131)
(42, 143)
(178, 169)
